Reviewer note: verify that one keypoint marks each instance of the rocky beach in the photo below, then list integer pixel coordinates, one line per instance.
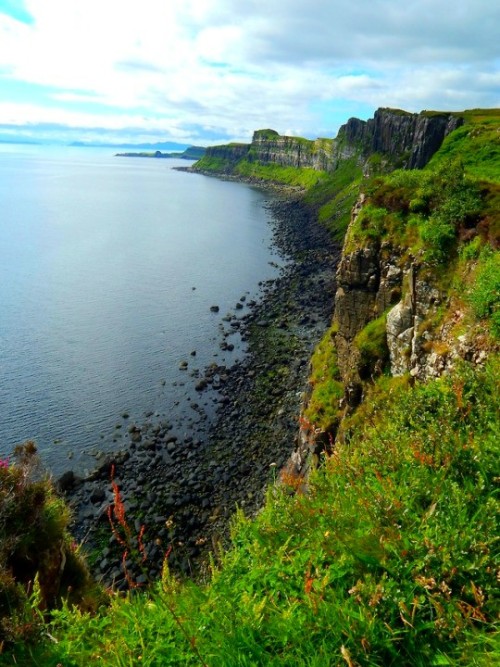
(171, 489)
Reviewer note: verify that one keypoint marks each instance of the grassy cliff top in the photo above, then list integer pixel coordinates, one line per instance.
(476, 143)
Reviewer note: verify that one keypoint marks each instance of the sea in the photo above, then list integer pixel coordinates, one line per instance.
(109, 270)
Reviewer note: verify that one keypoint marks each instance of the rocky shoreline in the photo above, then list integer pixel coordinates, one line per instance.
(171, 494)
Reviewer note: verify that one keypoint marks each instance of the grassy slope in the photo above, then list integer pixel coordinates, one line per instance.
(303, 177)
(392, 556)
(388, 560)
(334, 197)
(331, 196)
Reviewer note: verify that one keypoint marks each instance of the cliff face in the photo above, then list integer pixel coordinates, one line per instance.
(410, 139)
(222, 159)
(420, 252)
(393, 317)
(372, 280)
(402, 139)
(382, 281)
(268, 147)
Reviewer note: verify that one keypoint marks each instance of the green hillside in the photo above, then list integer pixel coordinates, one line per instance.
(389, 553)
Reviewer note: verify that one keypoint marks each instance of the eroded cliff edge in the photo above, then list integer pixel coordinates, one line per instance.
(417, 285)
(398, 138)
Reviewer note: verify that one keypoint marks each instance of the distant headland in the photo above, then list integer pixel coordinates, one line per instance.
(191, 153)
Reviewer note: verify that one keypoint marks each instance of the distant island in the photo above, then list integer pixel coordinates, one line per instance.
(157, 145)
(191, 153)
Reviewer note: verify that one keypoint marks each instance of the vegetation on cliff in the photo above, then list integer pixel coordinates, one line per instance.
(39, 563)
(438, 227)
(388, 559)
(388, 554)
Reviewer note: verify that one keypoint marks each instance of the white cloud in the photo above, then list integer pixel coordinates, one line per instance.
(27, 114)
(232, 67)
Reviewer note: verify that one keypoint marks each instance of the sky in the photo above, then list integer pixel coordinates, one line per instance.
(205, 72)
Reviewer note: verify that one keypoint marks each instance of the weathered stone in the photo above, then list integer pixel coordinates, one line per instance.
(66, 481)
(98, 495)
(400, 331)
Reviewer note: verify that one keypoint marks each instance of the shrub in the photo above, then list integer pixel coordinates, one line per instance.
(471, 250)
(485, 293)
(438, 202)
(323, 406)
(35, 548)
(439, 237)
(372, 345)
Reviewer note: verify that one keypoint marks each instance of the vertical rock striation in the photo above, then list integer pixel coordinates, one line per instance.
(407, 140)
(403, 139)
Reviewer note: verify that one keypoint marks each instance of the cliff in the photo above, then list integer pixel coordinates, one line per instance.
(419, 254)
(397, 313)
(399, 138)
(268, 147)
(405, 140)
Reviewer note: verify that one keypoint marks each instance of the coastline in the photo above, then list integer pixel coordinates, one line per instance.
(184, 490)
(284, 191)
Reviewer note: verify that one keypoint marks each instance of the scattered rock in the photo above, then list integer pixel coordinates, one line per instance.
(184, 488)
(66, 481)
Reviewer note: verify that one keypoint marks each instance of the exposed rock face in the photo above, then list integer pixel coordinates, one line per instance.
(400, 331)
(410, 139)
(404, 139)
(269, 147)
(373, 279)
(369, 281)
(358, 280)
(230, 154)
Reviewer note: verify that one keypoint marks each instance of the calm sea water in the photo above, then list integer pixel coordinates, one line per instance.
(99, 258)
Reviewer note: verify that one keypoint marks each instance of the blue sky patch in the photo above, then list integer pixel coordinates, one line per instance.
(16, 10)
(215, 75)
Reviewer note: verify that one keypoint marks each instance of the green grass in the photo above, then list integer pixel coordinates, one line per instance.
(484, 293)
(426, 210)
(371, 342)
(334, 196)
(477, 144)
(213, 163)
(303, 177)
(322, 411)
(390, 558)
